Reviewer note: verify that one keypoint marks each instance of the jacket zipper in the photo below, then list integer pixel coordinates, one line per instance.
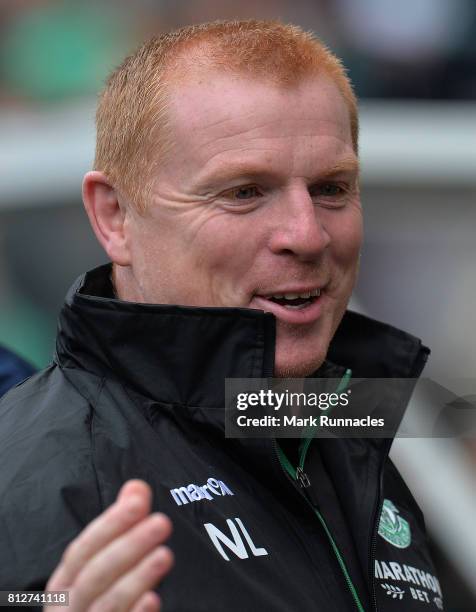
(300, 475)
(302, 478)
(305, 482)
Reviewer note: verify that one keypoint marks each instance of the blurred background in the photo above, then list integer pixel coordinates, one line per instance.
(413, 64)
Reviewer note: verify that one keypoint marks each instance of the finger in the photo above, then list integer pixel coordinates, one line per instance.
(118, 558)
(132, 505)
(149, 602)
(134, 487)
(127, 591)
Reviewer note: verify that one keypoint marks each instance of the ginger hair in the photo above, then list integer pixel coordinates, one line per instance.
(131, 117)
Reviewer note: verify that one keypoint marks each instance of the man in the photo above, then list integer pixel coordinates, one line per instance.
(225, 192)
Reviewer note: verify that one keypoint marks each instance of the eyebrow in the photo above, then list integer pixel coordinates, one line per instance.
(346, 165)
(246, 169)
(232, 172)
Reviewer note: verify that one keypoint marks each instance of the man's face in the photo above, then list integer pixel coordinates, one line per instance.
(256, 204)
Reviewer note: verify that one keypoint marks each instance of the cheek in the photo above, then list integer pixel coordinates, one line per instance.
(225, 245)
(159, 261)
(347, 234)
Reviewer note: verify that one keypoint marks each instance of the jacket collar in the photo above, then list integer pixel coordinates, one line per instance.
(181, 355)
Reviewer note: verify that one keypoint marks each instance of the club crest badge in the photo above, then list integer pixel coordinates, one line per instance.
(392, 527)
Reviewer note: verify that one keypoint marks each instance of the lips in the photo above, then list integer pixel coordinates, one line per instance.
(295, 301)
(295, 307)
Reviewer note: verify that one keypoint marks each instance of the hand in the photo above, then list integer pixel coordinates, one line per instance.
(117, 559)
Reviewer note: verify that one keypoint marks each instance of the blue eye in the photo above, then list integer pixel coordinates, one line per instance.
(245, 193)
(241, 199)
(329, 195)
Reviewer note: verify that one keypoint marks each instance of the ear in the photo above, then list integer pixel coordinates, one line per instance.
(106, 216)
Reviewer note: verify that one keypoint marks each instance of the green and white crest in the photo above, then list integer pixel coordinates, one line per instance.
(392, 527)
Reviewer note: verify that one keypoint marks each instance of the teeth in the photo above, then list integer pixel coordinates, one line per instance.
(294, 296)
(298, 307)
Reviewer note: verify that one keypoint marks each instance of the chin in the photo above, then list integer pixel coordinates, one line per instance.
(301, 353)
(300, 367)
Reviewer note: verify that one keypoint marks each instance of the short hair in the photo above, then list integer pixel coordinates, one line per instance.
(132, 111)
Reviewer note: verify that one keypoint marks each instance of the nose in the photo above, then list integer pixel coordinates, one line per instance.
(298, 228)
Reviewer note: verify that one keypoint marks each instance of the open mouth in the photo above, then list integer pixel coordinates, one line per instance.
(295, 301)
(296, 308)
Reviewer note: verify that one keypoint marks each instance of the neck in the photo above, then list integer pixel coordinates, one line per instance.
(125, 286)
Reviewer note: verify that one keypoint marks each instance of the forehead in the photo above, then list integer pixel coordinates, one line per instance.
(220, 116)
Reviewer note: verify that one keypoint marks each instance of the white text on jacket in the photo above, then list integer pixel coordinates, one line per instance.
(193, 492)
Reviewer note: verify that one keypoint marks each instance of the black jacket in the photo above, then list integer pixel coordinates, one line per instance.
(137, 391)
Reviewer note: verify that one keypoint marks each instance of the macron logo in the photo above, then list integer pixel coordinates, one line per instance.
(193, 492)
